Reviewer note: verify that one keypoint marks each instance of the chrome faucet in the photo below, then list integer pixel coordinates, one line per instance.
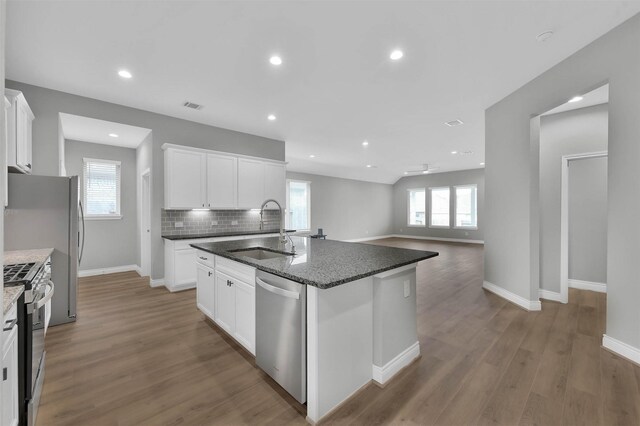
(283, 235)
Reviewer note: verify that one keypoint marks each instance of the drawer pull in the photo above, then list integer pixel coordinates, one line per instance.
(203, 258)
(209, 273)
(4, 374)
(8, 326)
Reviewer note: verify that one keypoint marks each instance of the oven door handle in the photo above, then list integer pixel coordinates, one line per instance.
(40, 303)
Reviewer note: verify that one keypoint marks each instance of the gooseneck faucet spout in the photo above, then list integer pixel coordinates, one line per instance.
(283, 239)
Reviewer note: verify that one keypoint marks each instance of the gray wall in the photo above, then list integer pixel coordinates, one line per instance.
(108, 243)
(588, 220)
(450, 179)
(46, 104)
(572, 132)
(512, 174)
(349, 209)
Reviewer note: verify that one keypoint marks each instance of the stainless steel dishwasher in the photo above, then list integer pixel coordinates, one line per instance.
(281, 327)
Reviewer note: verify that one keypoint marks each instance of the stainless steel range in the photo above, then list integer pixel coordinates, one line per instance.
(33, 318)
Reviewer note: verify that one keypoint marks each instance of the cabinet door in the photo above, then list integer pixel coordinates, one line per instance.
(275, 182)
(245, 315)
(222, 181)
(205, 290)
(9, 409)
(250, 183)
(185, 266)
(185, 175)
(23, 130)
(225, 303)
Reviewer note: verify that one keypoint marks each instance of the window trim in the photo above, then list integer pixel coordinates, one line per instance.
(115, 216)
(409, 207)
(287, 220)
(455, 207)
(431, 207)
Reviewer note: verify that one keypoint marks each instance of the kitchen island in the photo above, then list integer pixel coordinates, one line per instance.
(360, 308)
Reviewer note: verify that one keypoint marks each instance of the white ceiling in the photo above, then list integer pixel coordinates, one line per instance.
(595, 97)
(87, 129)
(336, 87)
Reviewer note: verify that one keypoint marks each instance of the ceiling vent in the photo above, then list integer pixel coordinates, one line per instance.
(454, 123)
(192, 105)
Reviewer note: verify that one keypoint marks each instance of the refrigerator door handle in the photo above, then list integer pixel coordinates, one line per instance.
(82, 218)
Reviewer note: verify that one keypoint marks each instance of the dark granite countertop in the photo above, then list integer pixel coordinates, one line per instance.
(11, 295)
(222, 234)
(320, 263)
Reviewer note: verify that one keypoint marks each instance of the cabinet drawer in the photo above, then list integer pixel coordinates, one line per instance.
(205, 258)
(236, 270)
(8, 321)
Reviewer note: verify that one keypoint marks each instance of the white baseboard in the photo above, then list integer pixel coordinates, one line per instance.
(529, 305)
(624, 350)
(588, 285)
(159, 282)
(551, 295)
(450, 240)
(383, 374)
(180, 287)
(111, 270)
(358, 240)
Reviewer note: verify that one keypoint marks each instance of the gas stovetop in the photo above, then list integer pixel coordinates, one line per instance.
(19, 273)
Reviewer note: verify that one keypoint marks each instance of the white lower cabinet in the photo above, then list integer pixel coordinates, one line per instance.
(245, 313)
(9, 410)
(205, 289)
(225, 303)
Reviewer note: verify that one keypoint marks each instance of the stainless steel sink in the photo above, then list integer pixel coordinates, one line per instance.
(260, 254)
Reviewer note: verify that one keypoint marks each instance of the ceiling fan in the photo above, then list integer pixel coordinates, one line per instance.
(424, 170)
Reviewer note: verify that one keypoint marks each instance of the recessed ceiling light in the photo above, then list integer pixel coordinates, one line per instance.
(275, 60)
(454, 123)
(482, 164)
(312, 156)
(576, 99)
(365, 143)
(271, 117)
(125, 74)
(454, 152)
(396, 54)
(544, 36)
(113, 135)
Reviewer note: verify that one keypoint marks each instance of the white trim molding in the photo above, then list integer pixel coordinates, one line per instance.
(529, 305)
(588, 285)
(158, 282)
(110, 270)
(620, 348)
(550, 295)
(359, 240)
(382, 375)
(450, 240)
(181, 287)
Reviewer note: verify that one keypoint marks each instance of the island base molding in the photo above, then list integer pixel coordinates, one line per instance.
(382, 375)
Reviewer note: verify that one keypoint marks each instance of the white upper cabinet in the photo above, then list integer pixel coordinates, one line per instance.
(19, 132)
(274, 182)
(222, 181)
(197, 178)
(251, 174)
(185, 179)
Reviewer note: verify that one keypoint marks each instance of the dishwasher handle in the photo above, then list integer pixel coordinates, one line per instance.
(277, 290)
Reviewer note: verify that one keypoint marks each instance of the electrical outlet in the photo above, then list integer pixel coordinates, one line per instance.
(179, 225)
(234, 222)
(214, 222)
(407, 288)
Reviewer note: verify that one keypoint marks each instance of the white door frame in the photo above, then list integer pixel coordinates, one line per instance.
(564, 219)
(145, 223)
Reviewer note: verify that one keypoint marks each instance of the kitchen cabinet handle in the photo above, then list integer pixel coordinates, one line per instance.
(29, 165)
(4, 374)
(209, 273)
(203, 258)
(10, 324)
(277, 290)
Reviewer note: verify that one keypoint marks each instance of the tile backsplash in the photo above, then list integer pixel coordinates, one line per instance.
(196, 222)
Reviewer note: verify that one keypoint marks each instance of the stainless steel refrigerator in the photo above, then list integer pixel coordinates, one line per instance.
(45, 212)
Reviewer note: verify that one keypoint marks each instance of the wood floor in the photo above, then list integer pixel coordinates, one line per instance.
(144, 356)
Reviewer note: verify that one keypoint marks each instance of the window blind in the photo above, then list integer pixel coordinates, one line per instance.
(101, 187)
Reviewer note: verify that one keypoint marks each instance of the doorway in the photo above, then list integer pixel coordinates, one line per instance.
(145, 224)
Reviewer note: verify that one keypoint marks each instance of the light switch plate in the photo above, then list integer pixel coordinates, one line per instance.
(179, 225)
(407, 288)
(234, 222)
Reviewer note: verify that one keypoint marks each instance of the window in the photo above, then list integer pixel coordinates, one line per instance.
(417, 207)
(439, 208)
(467, 206)
(101, 189)
(298, 205)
